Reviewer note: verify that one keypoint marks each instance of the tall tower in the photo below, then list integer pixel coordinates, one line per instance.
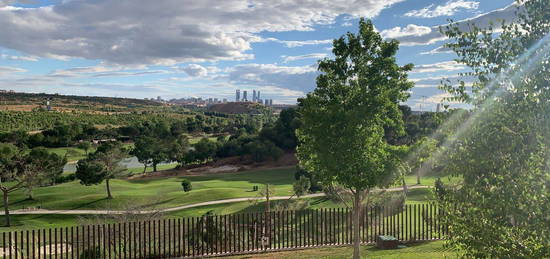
(237, 95)
(258, 97)
(270, 102)
(244, 96)
(254, 95)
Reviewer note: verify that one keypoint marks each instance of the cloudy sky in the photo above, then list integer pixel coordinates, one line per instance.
(210, 48)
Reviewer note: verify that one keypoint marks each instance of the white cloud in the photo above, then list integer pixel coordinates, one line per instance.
(11, 70)
(447, 9)
(438, 50)
(296, 43)
(165, 32)
(300, 78)
(438, 67)
(420, 35)
(23, 58)
(306, 56)
(409, 30)
(346, 24)
(195, 70)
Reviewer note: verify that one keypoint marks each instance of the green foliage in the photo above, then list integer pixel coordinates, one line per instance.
(186, 185)
(343, 120)
(301, 187)
(342, 136)
(501, 209)
(104, 164)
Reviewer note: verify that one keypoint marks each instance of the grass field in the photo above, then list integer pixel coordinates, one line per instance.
(167, 192)
(47, 221)
(432, 250)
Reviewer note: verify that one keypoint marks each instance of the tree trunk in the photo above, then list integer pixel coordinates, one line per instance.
(405, 190)
(357, 208)
(109, 196)
(418, 174)
(6, 209)
(155, 167)
(144, 168)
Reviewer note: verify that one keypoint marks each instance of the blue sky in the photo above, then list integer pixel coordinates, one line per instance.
(210, 48)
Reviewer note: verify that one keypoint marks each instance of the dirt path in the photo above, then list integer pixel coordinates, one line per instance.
(91, 212)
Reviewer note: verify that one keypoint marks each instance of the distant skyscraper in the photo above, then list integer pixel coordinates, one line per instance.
(438, 109)
(266, 102)
(237, 95)
(224, 100)
(270, 102)
(254, 95)
(244, 96)
(258, 97)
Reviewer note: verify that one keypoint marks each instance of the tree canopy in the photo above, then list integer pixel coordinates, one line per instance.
(344, 119)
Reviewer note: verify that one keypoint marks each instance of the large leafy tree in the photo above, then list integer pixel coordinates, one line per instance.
(501, 209)
(40, 166)
(343, 119)
(102, 165)
(9, 157)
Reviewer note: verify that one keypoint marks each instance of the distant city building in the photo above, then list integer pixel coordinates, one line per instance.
(438, 107)
(244, 97)
(253, 95)
(159, 99)
(258, 97)
(266, 102)
(237, 95)
(270, 102)
(224, 100)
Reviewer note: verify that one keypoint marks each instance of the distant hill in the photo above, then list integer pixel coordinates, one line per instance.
(29, 101)
(237, 108)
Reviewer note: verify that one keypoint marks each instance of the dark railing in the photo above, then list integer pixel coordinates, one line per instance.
(224, 234)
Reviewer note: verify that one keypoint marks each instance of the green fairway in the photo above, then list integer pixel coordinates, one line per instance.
(164, 192)
(46, 221)
(161, 192)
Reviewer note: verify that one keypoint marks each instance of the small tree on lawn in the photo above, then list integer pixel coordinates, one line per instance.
(343, 119)
(84, 145)
(102, 165)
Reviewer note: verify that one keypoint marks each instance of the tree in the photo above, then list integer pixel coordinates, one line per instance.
(84, 145)
(422, 150)
(9, 182)
(186, 185)
(343, 119)
(102, 165)
(501, 208)
(180, 149)
(152, 150)
(39, 166)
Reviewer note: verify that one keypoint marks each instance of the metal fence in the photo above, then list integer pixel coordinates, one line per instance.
(224, 234)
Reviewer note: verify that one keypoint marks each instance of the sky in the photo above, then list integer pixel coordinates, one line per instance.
(210, 48)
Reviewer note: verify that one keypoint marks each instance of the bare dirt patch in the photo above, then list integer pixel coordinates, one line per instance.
(221, 166)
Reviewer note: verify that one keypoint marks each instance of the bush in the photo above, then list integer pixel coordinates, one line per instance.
(65, 178)
(91, 253)
(186, 184)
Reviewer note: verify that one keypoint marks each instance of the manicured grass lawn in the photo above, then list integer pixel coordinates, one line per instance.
(164, 192)
(150, 168)
(73, 153)
(412, 251)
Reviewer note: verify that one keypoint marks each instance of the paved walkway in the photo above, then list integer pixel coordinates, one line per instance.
(78, 212)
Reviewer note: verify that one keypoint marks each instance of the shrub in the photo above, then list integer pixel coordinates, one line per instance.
(186, 184)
